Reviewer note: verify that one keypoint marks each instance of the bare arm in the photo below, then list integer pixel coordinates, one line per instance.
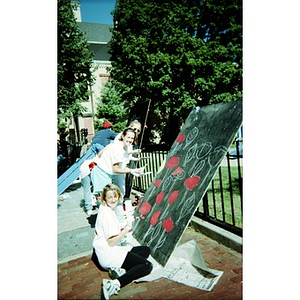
(118, 170)
(134, 158)
(136, 151)
(117, 238)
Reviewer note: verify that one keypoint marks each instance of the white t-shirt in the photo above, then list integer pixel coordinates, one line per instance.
(128, 149)
(112, 154)
(107, 225)
(117, 138)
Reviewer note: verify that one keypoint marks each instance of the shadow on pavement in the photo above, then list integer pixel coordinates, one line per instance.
(73, 187)
(94, 259)
(92, 220)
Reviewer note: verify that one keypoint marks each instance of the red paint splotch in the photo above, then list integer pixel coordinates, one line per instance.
(172, 162)
(173, 197)
(159, 197)
(157, 182)
(168, 224)
(145, 208)
(180, 138)
(191, 182)
(177, 171)
(154, 218)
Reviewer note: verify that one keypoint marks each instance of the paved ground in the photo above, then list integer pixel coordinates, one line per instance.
(75, 229)
(80, 278)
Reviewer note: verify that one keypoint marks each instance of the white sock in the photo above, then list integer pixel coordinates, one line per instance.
(117, 282)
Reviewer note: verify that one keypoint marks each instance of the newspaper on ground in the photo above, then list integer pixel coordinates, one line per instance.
(186, 265)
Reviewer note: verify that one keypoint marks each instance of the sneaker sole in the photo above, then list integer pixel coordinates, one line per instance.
(104, 291)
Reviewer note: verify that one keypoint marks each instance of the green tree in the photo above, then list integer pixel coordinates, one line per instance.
(179, 54)
(111, 108)
(74, 67)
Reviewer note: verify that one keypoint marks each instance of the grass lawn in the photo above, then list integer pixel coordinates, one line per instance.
(218, 209)
(222, 210)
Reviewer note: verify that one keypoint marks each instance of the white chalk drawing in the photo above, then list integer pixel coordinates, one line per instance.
(150, 230)
(190, 154)
(191, 136)
(204, 156)
(196, 168)
(167, 182)
(164, 214)
(178, 188)
(215, 157)
(160, 231)
(187, 207)
(179, 143)
(204, 150)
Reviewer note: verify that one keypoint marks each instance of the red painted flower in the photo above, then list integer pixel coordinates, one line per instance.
(191, 182)
(168, 224)
(154, 218)
(177, 171)
(173, 197)
(172, 162)
(159, 197)
(180, 138)
(145, 208)
(157, 182)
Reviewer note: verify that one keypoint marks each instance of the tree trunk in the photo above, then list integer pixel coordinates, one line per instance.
(76, 121)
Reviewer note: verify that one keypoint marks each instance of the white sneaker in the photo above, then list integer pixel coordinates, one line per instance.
(115, 273)
(92, 212)
(89, 212)
(94, 200)
(109, 288)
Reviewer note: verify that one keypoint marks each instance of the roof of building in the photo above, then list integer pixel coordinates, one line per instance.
(95, 32)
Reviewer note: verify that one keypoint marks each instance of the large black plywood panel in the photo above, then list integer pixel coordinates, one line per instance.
(175, 193)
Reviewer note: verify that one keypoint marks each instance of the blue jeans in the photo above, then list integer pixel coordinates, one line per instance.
(119, 180)
(86, 184)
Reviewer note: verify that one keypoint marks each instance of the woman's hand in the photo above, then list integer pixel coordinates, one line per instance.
(137, 151)
(126, 229)
(115, 239)
(138, 172)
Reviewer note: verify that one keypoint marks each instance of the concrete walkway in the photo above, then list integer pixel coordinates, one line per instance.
(80, 278)
(75, 229)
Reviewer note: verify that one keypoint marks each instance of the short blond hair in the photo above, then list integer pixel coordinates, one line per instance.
(135, 122)
(111, 187)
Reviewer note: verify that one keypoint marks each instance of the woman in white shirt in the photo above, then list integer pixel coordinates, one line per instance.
(119, 179)
(111, 255)
(113, 161)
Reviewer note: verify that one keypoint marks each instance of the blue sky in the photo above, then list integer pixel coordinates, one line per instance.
(97, 11)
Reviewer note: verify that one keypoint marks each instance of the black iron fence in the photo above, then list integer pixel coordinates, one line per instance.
(222, 204)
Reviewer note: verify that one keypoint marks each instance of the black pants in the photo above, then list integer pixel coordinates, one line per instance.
(136, 265)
